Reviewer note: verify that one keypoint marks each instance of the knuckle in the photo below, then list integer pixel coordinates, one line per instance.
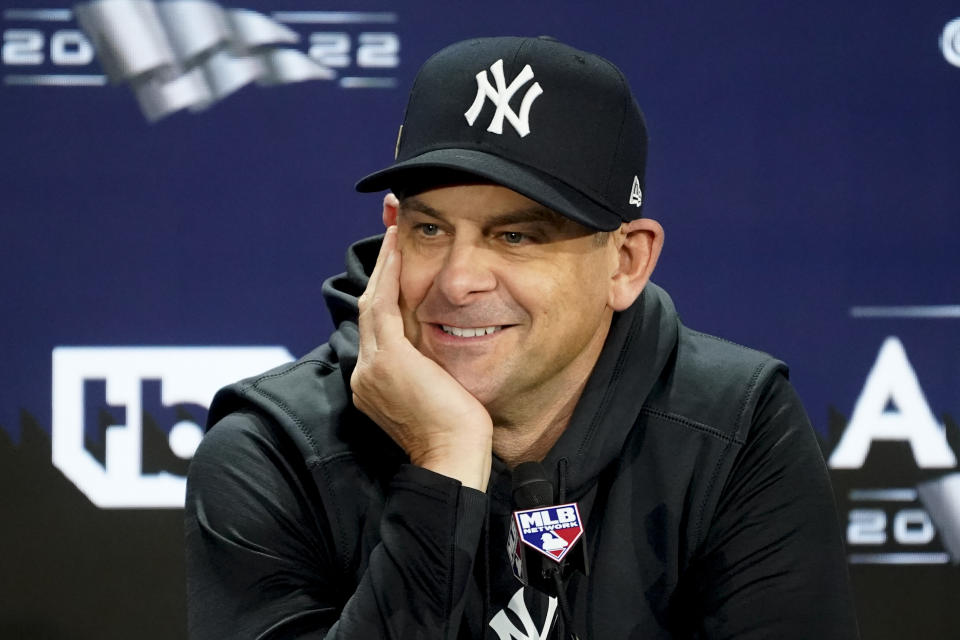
(359, 376)
(358, 379)
(384, 368)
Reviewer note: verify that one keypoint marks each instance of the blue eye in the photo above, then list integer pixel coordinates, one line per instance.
(514, 237)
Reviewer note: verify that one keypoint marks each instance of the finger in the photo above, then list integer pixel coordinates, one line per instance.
(389, 244)
(365, 329)
(368, 311)
(387, 321)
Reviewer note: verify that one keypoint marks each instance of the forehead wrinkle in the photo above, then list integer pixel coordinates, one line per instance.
(535, 213)
(532, 214)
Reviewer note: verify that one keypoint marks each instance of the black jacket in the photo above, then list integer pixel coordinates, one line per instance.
(706, 503)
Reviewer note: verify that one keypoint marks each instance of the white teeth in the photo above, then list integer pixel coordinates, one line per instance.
(461, 332)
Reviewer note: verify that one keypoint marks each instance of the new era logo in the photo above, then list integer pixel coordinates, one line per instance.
(636, 195)
(501, 96)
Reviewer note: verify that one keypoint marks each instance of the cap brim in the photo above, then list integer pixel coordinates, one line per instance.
(536, 185)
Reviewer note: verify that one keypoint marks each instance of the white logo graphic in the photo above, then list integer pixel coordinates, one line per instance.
(513, 546)
(140, 32)
(501, 98)
(191, 53)
(636, 195)
(552, 542)
(893, 380)
(899, 524)
(950, 42)
(942, 498)
(507, 631)
(186, 375)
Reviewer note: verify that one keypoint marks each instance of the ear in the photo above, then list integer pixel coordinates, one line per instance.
(390, 207)
(638, 244)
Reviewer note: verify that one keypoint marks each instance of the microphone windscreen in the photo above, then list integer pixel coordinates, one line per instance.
(531, 487)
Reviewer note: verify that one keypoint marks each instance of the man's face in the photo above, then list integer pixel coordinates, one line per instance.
(510, 298)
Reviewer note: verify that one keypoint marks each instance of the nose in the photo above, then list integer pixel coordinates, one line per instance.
(466, 272)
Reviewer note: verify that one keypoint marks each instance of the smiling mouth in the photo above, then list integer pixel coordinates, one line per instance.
(469, 332)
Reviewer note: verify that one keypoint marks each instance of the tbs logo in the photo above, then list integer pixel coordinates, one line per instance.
(550, 530)
(110, 403)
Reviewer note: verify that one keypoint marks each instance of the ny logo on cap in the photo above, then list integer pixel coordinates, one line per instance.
(501, 98)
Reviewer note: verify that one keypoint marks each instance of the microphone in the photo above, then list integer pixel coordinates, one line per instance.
(546, 540)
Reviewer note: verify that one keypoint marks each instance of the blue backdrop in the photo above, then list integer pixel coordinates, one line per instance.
(803, 161)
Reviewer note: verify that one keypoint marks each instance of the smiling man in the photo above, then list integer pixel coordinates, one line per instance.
(506, 317)
(511, 300)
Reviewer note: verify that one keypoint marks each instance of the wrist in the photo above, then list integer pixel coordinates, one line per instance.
(468, 463)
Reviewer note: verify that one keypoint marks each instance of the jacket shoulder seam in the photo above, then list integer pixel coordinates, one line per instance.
(255, 387)
(708, 493)
(701, 334)
(322, 465)
(744, 403)
(286, 370)
(693, 424)
(749, 392)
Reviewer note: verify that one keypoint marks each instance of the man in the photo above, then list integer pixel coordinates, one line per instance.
(507, 317)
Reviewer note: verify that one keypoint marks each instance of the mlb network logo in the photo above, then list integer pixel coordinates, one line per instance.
(550, 530)
(138, 384)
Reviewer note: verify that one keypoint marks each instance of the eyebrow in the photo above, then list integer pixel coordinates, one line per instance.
(536, 213)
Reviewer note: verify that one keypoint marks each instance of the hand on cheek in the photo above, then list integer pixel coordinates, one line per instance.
(422, 407)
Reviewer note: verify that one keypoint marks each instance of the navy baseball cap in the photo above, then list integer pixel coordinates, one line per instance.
(551, 122)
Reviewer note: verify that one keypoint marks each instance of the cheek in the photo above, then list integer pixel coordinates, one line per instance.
(567, 297)
(411, 295)
(541, 293)
(415, 281)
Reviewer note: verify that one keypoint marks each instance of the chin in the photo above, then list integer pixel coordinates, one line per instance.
(477, 385)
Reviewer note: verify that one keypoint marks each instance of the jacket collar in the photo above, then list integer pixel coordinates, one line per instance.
(638, 347)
